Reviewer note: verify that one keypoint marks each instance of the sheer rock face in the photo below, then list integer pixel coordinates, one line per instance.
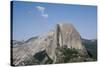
(63, 35)
(68, 36)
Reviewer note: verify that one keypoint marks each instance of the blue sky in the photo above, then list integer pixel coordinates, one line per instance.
(32, 18)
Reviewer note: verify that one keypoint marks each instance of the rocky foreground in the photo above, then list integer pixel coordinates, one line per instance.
(61, 45)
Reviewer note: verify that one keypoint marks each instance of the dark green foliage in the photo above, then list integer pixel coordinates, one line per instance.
(67, 54)
(40, 55)
(91, 48)
(38, 58)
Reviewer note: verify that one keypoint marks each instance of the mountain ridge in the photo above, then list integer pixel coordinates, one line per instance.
(49, 46)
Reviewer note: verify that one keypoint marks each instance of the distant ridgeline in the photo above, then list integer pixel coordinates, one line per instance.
(61, 45)
(91, 46)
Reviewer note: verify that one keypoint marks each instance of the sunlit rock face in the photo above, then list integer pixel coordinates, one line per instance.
(68, 36)
(46, 45)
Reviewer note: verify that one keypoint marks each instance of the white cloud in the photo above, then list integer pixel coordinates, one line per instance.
(45, 15)
(42, 10)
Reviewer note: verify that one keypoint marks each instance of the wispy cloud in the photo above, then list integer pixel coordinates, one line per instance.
(42, 10)
(45, 15)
